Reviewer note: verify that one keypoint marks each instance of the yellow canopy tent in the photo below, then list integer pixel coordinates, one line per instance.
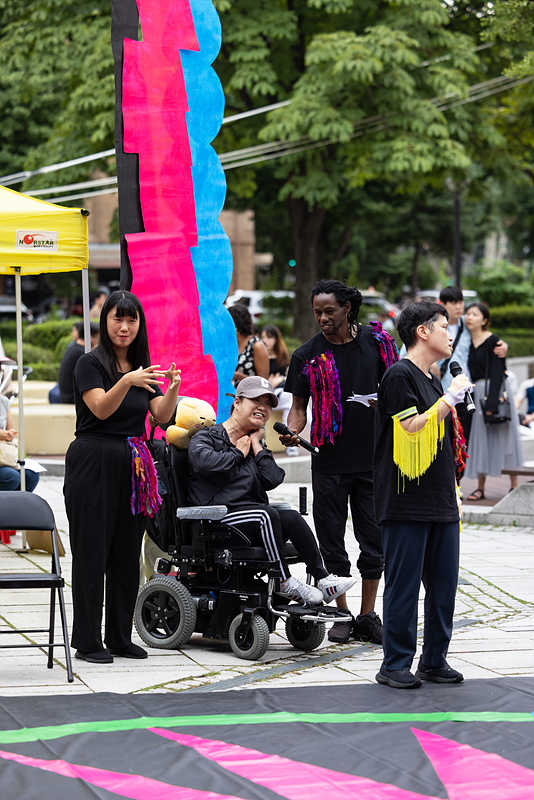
(37, 237)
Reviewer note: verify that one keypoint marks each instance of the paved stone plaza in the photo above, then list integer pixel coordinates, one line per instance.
(494, 627)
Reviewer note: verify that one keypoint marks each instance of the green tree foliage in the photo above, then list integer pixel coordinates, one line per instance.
(57, 93)
(381, 86)
(512, 22)
(502, 283)
(378, 121)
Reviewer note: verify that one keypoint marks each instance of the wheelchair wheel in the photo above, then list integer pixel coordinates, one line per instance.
(165, 613)
(304, 635)
(255, 643)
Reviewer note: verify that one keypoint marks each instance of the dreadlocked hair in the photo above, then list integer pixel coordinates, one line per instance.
(343, 294)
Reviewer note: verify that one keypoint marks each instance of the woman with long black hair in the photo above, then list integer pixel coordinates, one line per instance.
(110, 481)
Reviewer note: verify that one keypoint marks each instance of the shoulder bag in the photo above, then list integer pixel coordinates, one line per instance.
(8, 455)
(503, 412)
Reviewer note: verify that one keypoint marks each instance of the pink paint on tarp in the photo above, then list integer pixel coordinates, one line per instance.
(154, 114)
(472, 774)
(136, 787)
(154, 105)
(294, 780)
(171, 308)
(174, 16)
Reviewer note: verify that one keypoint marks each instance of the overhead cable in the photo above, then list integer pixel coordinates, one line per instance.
(277, 149)
(19, 177)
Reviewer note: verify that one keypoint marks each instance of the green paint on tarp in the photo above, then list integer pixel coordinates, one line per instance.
(46, 732)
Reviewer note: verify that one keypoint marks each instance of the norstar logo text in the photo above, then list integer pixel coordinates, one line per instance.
(37, 240)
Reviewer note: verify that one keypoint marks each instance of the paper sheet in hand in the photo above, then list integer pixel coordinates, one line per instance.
(362, 398)
(35, 466)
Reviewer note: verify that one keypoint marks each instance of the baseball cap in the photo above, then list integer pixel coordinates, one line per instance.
(254, 386)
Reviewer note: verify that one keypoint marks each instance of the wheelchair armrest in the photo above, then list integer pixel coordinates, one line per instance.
(212, 513)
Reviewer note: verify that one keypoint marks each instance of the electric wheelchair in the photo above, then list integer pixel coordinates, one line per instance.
(214, 582)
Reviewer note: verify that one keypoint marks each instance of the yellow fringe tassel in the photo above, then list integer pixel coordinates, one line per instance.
(413, 453)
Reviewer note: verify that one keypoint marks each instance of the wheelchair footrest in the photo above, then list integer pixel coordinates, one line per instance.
(321, 613)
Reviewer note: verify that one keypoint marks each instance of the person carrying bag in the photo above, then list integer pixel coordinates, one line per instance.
(494, 442)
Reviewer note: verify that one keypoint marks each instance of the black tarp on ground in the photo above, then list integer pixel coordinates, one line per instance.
(366, 759)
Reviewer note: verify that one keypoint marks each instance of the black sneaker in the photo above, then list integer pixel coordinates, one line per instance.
(131, 651)
(367, 628)
(444, 674)
(398, 678)
(340, 632)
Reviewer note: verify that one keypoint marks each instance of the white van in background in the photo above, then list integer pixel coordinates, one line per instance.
(253, 300)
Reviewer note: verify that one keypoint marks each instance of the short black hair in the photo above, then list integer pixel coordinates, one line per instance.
(94, 327)
(416, 314)
(451, 294)
(484, 310)
(343, 294)
(242, 319)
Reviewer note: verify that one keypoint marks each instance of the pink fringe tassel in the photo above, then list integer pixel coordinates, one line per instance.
(388, 349)
(145, 496)
(325, 390)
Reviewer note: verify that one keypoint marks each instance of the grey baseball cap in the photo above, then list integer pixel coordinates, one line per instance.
(254, 386)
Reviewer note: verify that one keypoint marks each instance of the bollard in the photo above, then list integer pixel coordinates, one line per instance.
(303, 500)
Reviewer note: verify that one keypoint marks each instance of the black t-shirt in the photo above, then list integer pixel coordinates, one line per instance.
(66, 372)
(360, 369)
(275, 368)
(127, 420)
(432, 496)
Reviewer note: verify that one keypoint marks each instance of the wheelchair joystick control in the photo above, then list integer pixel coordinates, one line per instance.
(162, 566)
(303, 500)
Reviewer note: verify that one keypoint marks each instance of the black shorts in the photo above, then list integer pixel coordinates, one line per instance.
(331, 496)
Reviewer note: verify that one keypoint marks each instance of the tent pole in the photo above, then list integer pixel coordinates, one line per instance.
(20, 375)
(86, 320)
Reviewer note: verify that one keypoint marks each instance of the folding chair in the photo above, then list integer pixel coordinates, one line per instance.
(27, 511)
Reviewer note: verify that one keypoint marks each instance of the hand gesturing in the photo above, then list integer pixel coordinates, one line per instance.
(146, 377)
(173, 375)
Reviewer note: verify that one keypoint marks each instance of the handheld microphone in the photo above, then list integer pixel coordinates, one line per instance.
(456, 369)
(283, 430)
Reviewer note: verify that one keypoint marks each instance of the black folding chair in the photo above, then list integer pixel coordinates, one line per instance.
(27, 511)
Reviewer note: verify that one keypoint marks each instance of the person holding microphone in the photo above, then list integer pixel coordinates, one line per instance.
(419, 452)
(110, 481)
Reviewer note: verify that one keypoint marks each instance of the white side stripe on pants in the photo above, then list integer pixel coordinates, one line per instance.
(266, 530)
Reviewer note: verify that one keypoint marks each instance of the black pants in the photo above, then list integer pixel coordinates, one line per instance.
(271, 527)
(415, 551)
(331, 496)
(105, 540)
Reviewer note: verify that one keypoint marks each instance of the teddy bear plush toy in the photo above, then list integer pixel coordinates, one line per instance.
(191, 416)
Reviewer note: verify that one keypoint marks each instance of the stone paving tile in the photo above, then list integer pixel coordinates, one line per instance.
(494, 626)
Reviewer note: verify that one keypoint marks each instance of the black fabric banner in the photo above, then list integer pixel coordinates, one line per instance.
(125, 24)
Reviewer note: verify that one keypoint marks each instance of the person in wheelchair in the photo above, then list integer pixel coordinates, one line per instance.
(230, 466)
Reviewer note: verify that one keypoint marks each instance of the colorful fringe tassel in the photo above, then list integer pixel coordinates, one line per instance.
(145, 496)
(459, 444)
(413, 453)
(325, 390)
(388, 349)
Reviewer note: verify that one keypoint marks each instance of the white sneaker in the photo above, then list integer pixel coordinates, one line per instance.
(333, 586)
(303, 592)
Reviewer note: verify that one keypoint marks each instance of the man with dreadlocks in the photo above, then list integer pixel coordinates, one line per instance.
(337, 368)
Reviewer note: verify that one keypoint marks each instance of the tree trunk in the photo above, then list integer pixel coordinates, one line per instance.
(415, 264)
(307, 228)
(457, 239)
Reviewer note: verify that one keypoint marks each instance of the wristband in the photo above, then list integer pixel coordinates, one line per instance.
(448, 400)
